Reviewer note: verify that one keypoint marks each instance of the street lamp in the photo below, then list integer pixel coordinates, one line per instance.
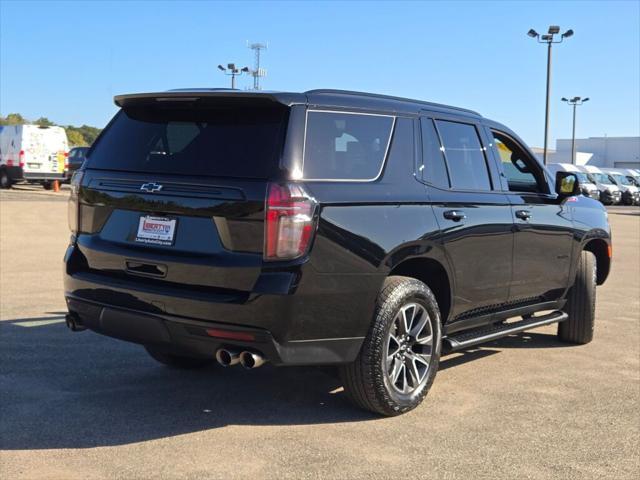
(575, 101)
(549, 40)
(233, 71)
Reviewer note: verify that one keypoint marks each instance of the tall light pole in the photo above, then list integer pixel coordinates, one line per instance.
(233, 71)
(549, 40)
(575, 101)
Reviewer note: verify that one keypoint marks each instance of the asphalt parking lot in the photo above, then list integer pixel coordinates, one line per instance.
(85, 406)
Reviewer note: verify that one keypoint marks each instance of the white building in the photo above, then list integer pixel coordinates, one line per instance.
(606, 152)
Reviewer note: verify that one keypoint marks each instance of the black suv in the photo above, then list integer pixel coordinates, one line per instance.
(325, 228)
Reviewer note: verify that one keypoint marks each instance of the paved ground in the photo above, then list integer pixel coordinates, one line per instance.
(84, 406)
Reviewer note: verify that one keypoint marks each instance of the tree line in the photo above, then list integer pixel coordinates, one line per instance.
(78, 136)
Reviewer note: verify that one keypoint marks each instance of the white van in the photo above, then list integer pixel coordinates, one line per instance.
(32, 153)
(587, 183)
(610, 193)
(628, 186)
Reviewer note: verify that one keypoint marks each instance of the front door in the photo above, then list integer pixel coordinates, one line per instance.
(543, 226)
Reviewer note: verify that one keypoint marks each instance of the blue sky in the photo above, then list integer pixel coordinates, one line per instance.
(66, 60)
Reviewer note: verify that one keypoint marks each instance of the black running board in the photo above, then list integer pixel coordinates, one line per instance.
(468, 339)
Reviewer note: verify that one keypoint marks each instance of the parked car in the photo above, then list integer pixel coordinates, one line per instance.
(32, 153)
(76, 158)
(587, 183)
(368, 232)
(610, 193)
(628, 187)
(633, 173)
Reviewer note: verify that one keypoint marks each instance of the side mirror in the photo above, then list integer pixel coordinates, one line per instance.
(567, 184)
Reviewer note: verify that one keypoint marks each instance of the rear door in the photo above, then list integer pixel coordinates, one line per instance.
(474, 216)
(543, 225)
(175, 194)
(45, 149)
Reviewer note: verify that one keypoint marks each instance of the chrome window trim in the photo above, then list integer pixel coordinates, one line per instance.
(346, 180)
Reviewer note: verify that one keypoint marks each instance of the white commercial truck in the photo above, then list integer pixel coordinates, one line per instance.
(32, 153)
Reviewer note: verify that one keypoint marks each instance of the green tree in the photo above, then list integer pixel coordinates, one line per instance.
(44, 122)
(89, 133)
(75, 138)
(12, 119)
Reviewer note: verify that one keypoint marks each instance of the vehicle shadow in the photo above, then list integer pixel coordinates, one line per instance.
(64, 390)
(79, 390)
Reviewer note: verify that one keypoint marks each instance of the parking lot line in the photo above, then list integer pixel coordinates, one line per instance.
(40, 323)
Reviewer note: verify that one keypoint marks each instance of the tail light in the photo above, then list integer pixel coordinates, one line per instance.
(74, 204)
(21, 159)
(66, 160)
(289, 221)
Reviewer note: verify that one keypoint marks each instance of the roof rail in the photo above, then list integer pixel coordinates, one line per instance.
(390, 97)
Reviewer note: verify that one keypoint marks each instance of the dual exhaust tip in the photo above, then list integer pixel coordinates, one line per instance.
(228, 357)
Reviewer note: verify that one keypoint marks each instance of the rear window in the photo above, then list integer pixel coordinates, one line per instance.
(345, 146)
(465, 157)
(227, 142)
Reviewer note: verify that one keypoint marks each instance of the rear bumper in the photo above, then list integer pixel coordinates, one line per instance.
(33, 176)
(298, 318)
(190, 337)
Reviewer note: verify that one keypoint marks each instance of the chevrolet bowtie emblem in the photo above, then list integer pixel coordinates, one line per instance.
(151, 187)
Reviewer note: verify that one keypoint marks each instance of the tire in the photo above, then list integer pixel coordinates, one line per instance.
(48, 185)
(581, 304)
(368, 381)
(176, 361)
(5, 180)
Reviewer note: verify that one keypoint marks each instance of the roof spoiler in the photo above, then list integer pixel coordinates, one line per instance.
(131, 99)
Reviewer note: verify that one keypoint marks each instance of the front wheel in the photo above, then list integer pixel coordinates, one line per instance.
(399, 357)
(581, 304)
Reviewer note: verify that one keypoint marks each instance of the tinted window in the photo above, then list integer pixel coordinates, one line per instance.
(229, 142)
(434, 169)
(518, 167)
(465, 158)
(345, 146)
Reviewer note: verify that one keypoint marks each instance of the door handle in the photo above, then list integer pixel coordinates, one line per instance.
(455, 215)
(523, 214)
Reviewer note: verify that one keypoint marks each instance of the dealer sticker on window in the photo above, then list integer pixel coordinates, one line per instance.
(156, 230)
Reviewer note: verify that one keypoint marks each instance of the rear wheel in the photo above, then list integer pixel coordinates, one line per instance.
(581, 303)
(5, 180)
(176, 361)
(47, 185)
(399, 358)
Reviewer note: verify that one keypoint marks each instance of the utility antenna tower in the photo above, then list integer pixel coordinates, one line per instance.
(257, 72)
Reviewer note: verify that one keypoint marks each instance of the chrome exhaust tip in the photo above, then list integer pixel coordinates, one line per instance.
(73, 322)
(251, 360)
(227, 357)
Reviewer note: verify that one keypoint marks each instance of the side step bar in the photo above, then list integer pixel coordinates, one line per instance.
(468, 339)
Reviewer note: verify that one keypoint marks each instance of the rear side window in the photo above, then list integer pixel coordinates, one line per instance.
(345, 146)
(228, 142)
(465, 157)
(435, 169)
